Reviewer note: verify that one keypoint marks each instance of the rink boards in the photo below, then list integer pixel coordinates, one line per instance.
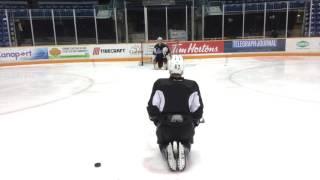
(139, 51)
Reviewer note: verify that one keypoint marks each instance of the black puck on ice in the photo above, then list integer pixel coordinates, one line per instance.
(97, 165)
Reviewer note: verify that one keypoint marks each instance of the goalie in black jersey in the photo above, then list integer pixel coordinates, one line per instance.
(161, 54)
(175, 107)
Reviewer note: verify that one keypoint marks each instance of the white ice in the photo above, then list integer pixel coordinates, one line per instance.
(262, 121)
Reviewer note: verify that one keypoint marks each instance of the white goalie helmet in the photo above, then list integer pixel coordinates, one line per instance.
(176, 65)
(159, 40)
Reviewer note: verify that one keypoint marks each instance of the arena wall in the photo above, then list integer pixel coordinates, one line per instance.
(143, 51)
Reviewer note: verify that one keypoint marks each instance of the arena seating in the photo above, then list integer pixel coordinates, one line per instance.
(13, 4)
(315, 21)
(4, 37)
(84, 8)
(67, 4)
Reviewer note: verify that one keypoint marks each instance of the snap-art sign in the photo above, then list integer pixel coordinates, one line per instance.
(259, 45)
(197, 47)
(18, 54)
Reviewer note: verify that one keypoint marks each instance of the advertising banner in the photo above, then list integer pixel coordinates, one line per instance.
(303, 45)
(259, 45)
(197, 47)
(114, 51)
(19, 54)
(148, 48)
(74, 52)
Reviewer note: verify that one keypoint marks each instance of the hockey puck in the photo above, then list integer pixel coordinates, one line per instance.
(97, 165)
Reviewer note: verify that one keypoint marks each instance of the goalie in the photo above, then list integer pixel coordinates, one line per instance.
(161, 53)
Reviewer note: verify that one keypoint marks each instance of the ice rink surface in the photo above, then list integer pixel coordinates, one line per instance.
(262, 121)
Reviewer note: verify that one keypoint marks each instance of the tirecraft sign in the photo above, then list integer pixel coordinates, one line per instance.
(263, 45)
(98, 51)
(197, 47)
(108, 51)
(303, 45)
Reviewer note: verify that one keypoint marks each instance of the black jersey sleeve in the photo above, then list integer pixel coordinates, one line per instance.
(155, 49)
(153, 111)
(199, 112)
(165, 45)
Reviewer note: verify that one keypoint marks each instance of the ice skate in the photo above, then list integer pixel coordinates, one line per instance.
(170, 158)
(182, 157)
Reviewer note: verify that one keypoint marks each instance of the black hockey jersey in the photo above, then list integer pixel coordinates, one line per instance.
(158, 49)
(175, 96)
